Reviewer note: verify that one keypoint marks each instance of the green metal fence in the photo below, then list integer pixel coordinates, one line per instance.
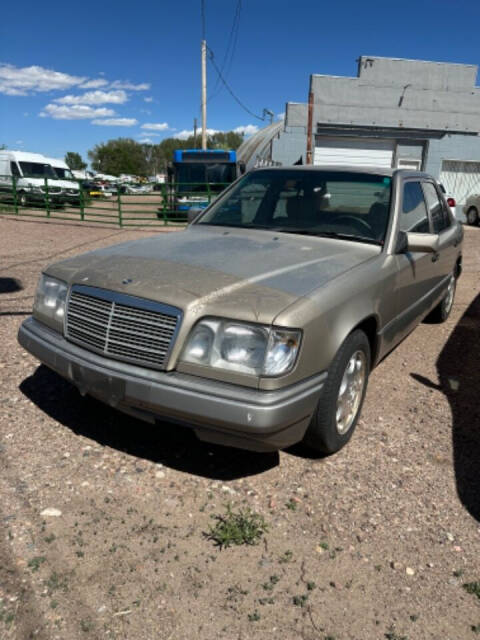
(122, 205)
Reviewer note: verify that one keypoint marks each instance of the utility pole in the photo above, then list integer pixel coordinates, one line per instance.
(204, 94)
(194, 133)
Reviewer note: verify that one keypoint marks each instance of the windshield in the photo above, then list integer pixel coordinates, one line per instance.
(193, 176)
(63, 174)
(37, 170)
(342, 204)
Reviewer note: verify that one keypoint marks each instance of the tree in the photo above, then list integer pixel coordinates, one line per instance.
(74, 161)
(122, 155)
(225, 140)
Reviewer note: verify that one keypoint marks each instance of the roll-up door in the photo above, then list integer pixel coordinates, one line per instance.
(366, 152)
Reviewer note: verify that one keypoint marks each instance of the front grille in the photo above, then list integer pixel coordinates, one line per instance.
(121, 326)
(52, 189)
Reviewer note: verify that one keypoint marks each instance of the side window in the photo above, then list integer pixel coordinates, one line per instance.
(413, 216)
(14, 169)
(438, 213)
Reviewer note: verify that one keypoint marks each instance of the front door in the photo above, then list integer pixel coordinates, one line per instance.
(418, 273)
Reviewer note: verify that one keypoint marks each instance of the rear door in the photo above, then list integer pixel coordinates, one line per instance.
(443, 225)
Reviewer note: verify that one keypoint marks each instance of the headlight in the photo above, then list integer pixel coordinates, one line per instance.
(242, 347)
(50, 300)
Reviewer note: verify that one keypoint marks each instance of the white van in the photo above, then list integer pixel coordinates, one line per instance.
(64, 173)
(30, 171)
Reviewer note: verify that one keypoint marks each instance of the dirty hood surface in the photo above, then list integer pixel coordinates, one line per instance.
(254, 273)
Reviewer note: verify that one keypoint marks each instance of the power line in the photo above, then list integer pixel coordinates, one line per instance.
(231, 40)
(227, 87)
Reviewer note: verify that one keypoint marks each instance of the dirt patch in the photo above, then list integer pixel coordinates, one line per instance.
(375, 542)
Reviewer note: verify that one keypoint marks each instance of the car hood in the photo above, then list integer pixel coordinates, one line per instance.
(251, 274)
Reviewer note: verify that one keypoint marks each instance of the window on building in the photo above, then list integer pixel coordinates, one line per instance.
(414, 215)
(437, 210)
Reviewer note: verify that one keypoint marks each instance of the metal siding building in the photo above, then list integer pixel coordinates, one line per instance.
(396, 113)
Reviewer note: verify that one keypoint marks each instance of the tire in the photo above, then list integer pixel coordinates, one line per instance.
(441, 312)
(22, 199)
(472, 216)
(330, 429)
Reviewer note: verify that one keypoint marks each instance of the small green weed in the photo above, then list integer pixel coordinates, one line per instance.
(473, 588)
(55, 582)
(300, 601)
(268, 586)
(475, 628)
(86, 625)
(458, 573)
(311, 586)
(254, 617)
(35, 563)
(50, 538)
(286, 557)
(291, 504)
(242, 527)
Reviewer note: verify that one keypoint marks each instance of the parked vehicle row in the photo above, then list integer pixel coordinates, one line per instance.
(36, 180)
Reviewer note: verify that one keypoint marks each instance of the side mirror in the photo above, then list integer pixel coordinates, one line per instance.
(424, 242)
(193, 214)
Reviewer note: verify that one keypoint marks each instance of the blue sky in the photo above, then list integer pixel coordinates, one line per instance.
(76, 74)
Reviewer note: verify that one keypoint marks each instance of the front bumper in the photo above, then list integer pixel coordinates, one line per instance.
(218, 412)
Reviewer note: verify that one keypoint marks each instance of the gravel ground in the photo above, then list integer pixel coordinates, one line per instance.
(103, 518)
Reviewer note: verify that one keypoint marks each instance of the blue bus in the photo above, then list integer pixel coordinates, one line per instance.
(199, 175)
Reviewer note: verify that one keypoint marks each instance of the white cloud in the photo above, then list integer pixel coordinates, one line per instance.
(95, 97)
(246, 130)
(150, 134)
(148, 99)
(146, 141)
(156, 126)
(281, 116)
(75, 112)
(20, 81)
(120, 84)
(96, 83)
(183, 135)
(117, 122)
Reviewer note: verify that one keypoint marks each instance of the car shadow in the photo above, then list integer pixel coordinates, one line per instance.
(170, 444)
(10, 285)
(458, 366)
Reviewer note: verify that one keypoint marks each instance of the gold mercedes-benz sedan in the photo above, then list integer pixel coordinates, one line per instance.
(259, 324)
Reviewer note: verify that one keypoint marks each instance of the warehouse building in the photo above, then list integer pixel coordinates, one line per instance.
(395, 113)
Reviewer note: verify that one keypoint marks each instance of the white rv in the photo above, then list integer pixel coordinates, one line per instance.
(33, 175)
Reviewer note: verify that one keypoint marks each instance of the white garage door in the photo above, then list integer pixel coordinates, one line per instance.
(364, 152)
(460, 179)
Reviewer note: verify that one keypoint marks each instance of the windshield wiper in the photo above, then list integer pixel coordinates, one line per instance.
(331, 234)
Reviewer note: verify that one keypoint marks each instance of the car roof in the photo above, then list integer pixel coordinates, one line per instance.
(382, 171)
